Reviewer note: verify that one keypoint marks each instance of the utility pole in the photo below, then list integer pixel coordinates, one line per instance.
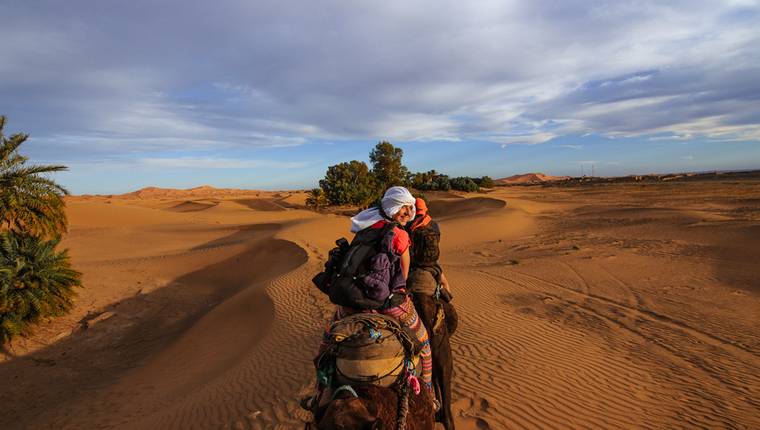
(582, 174)
(592, 170)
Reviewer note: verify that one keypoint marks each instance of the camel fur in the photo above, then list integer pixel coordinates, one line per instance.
(375, 408)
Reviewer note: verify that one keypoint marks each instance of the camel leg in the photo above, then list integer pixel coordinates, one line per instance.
(442, 358)
(443, 368)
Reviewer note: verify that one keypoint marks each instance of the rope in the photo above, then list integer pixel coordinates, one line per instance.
(378, 321)
(403, 406)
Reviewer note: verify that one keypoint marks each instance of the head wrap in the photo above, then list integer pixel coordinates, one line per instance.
(422, 218)
(393, 200)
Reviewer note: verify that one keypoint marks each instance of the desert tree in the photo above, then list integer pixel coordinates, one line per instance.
(430, 181)
(387, 166)
(349, 183)
(442, 183)
(36, 281)
(29, 200)
(484, 182)
(316, 198)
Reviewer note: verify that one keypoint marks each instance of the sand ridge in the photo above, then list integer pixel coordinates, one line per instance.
(603, 307)
(193, 205)
(458, 208)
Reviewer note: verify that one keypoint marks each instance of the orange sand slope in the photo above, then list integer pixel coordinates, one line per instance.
(616, 306)
(530, 178)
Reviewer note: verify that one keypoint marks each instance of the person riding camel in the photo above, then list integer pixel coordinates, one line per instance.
(431, 295)
(397, 208)
(426, 279)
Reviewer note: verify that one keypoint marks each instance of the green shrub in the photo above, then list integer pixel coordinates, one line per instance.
(464, 183)
(430, 181)
(349, 183)
(484, 182)
(35, 282)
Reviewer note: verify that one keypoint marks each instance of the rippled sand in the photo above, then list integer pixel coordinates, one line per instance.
(614, 306)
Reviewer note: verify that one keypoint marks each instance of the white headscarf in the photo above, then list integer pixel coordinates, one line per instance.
(393, 200)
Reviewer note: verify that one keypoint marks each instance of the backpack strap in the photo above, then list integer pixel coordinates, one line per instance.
(386, 237)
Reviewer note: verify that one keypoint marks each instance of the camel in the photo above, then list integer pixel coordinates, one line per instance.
(371, 407)
(371, 397)
(443, 365)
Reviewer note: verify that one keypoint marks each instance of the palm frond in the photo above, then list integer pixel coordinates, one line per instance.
(36, 281)
(29, 199)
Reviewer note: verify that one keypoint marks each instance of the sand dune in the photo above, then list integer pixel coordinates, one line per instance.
(447, 209)
(173, 193)
(261, 204)
(530, 178)
(192, 206)
(617, 306)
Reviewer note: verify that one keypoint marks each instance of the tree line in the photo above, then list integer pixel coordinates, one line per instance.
(36, 280)
(354, 183)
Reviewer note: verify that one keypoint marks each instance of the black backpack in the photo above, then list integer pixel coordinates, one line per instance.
(351, 275)
(426, 245)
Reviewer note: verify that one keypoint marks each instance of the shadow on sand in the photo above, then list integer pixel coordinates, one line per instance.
(198, 324)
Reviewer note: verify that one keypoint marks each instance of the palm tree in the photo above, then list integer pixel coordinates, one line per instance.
(35, 282)
(316, 198)
(29, 201)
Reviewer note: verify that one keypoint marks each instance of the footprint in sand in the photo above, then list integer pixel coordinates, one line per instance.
(471, 412)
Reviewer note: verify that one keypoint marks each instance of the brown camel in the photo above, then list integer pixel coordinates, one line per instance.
(443, 363)
(374, 408)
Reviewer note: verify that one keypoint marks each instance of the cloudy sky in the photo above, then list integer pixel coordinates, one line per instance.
(267, 94)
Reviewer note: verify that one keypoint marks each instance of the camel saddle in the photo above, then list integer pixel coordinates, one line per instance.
(371, 348)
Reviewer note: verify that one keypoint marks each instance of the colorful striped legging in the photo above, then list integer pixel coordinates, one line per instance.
(406, 314)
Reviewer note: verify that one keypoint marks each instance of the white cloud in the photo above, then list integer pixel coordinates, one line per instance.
(242, 73)
(528, 139)
(414, 126)
(218, 163)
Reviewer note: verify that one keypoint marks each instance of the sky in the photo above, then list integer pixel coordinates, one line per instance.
(268, 94)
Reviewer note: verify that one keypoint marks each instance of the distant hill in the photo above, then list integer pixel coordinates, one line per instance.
(530, 178)
(202, 191)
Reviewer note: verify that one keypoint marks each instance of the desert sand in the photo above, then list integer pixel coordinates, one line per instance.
(615, 306)
(530, 178)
